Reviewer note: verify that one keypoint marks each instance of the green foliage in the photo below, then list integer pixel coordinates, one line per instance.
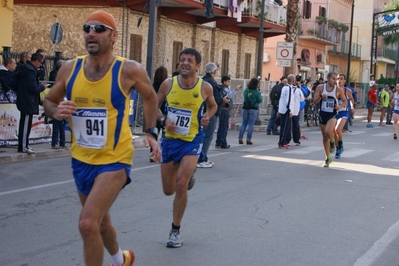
(344, 28)
(321, 20)
(352, 75)
(382, 81)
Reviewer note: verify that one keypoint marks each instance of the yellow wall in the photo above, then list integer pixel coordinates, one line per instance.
(6, 18)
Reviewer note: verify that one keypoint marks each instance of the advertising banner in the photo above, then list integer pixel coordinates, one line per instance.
(9, 123)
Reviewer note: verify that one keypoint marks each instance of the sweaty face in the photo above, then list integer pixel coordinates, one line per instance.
(188, 65)
(332, 81)
(98, 42)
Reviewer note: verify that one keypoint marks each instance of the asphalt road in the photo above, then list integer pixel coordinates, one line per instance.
(258, 205)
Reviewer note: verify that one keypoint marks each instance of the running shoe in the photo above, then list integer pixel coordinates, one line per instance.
(175, 239)
(128, 258)
(285, 146)
(395, 136)
(381, 125)
(369, 126)
(191, 182)
(304, 137)
(327, 163)
(332, 146)
(204, 165)
(337, 155)
(56, 147)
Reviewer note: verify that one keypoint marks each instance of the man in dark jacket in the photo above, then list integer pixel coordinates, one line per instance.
(210, 70)
(28, 99)
(274, 99)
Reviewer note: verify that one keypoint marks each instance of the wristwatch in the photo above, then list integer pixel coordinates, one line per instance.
(153, 131)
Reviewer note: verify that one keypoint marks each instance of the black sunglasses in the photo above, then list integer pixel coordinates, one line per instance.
(97, 28)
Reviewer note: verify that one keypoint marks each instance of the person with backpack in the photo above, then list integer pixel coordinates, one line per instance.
(275, 94)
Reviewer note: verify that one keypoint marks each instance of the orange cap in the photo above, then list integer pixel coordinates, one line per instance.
(103, 17)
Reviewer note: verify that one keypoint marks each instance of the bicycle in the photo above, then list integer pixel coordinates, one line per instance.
(312, 115)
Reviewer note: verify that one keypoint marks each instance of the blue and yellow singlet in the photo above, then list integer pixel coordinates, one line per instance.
(100, 126)
(185, 108)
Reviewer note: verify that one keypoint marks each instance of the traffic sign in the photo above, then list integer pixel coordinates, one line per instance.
(285, 50)
(284, 62)
(56, 33)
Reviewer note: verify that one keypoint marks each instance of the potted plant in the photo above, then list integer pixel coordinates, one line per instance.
(344, 28)
(310, 31)
(321, 20)
(333, 23)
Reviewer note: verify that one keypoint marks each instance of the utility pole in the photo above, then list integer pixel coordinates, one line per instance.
(350, 43)
(260, 51)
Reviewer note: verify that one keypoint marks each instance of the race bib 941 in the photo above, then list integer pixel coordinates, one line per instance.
(181, 118)
(90, 127)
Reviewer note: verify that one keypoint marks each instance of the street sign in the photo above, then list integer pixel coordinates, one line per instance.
(56, 33)
(285, 50)
(284, 62)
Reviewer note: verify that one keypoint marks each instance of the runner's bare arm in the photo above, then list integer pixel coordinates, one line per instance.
(317, 95)
(349, 93)
(53, 105)
(342, 96)
(162, 92)
(134, 76)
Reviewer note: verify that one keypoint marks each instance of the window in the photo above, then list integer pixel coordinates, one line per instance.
(177, 48)
(135, 47)
(334, 68)
(247, 64)
(225, 63)
(322, 11)
(307, 9)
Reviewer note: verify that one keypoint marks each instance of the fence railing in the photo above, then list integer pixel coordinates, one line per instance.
(321, 31)
(344, 49)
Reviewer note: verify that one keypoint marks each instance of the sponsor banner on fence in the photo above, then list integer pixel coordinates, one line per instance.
(9, 123)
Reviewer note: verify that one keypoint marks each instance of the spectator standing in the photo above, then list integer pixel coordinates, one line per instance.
(298, 100)
(395, 112)
(371, 103)
(384, 103)
(28, 99)
(41, 71)
(390, 106)
(58, 125)
(275, 93)
(252, 99)
(305, 92)
(102, 147)
(23, 58)
(161, 74)
(224, 116)
(210, 70)
(285, 107)
(176, 72)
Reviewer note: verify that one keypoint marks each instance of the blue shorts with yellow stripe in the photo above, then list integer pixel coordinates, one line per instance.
(85, 174)
(175, 149)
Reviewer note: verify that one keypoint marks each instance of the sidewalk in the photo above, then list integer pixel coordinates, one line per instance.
(44, 151)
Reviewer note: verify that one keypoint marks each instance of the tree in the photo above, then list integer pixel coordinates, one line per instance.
(292, 30)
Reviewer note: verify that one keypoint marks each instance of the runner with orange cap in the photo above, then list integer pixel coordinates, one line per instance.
(98, 88)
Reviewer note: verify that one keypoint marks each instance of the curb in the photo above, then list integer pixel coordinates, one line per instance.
(13, 156)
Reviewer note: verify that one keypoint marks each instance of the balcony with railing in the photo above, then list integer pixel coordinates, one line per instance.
(387, 53)
(343, 49)
(319, 33)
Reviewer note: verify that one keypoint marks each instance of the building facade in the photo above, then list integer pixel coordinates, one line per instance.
(231, 42)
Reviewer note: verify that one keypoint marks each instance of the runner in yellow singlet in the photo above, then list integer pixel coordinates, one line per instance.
(98, 89)
(182, 139)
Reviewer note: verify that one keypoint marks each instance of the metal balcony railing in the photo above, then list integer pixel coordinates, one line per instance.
(273, 13)
(320, 31)
(343, 48)
(387, 53)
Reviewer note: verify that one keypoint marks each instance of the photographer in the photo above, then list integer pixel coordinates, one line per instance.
(224, 116)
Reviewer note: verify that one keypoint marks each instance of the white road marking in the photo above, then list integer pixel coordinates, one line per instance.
(351, 153)
(304, 150)
(260, 148)
(383, 134)
(392, 158)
